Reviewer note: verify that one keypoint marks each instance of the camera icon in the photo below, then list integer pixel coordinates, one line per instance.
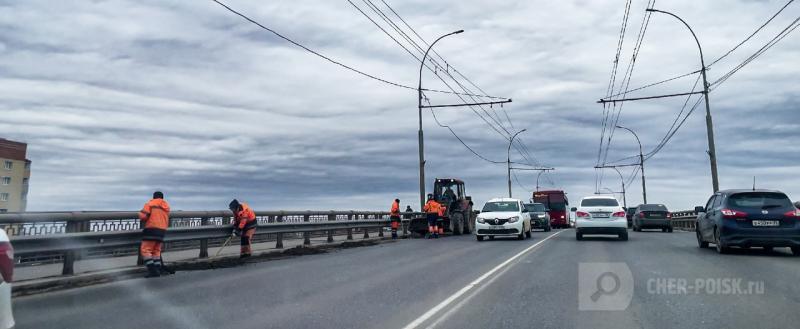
(604, 286)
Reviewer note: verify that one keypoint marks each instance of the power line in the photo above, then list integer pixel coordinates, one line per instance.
(789, 29)
(626, 82)
(444, 69)
(751, 35)
(329, 59)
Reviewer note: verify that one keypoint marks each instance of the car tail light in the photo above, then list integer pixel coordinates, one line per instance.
(641, 214)
(618, 214)
(735, 214)
(582, 214)
(6, 261)
(669, 215)
(794, 214)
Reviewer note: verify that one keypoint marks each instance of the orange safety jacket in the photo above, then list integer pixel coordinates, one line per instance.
(155, 215)
(432, 207)
(245, 219)
(395, 211)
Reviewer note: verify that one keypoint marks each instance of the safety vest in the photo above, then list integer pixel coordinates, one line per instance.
(432, 207)
(245, 219)
(155, 215)
(395, 211)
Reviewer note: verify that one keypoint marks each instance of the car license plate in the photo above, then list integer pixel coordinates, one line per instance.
(600, 215)
(766, 223)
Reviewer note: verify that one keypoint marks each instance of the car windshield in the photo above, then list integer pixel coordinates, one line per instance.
(652, 207)
(599, 203)
(535, 207)
(760, 200)
(500, 206)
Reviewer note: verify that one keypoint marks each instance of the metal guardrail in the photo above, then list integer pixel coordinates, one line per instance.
(107, 232)
(684, 220)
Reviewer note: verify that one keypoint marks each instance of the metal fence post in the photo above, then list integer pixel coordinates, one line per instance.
(204, 242)
(279, 236)
(366, 230)
(331, 217)
(69, 256)
(350, 230)
(380, 230)
(306, 235)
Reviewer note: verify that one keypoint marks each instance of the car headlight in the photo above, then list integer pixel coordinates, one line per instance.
(481, 220)
(540, 216)
(513, 219)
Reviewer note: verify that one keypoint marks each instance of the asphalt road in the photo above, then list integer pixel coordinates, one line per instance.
(395, 285)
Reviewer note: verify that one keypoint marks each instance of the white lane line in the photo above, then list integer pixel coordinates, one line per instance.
(436, 309)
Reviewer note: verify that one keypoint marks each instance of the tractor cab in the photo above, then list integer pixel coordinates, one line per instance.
(449, 192)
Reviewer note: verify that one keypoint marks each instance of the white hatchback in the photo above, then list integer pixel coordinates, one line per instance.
(503, 217)
(6, 274)
(600, 215)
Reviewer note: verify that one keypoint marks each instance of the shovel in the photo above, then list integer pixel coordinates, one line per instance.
(224, 245)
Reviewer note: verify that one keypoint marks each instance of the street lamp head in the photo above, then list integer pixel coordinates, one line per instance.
(620, 127)
(650, 9)
(459, 31)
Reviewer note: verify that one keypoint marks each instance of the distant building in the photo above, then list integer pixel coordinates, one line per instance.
(15, 173)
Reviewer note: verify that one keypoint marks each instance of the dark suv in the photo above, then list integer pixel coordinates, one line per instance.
(540, 217)
(652, 216)
(748, 218)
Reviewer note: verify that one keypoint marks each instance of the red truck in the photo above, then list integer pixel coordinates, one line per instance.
(557, 206)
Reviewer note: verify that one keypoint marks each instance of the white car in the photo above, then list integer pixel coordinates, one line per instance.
(600, 215)
(503, 217)
(6, 273)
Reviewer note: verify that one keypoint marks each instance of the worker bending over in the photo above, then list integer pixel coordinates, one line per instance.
(244, 225)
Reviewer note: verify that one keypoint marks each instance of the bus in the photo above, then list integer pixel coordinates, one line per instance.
(557, 206)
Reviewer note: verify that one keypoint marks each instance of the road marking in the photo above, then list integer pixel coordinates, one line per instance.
(436, 309)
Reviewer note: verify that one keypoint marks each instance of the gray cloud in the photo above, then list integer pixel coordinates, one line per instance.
(117, 98)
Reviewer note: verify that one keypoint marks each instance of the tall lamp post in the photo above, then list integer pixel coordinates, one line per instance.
(622, 182)
(641, 163)
(712, 153)
(508, 160)
(420, 137)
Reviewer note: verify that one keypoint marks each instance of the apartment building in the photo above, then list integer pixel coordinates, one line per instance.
(15, 173)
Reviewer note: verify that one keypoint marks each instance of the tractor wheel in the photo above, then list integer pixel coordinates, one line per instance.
(457, 223)
(469, 222)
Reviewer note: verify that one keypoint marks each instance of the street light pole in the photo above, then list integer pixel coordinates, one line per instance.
(712, 153)
(622, 179)
(420, 136)
(508, 160)
(641, 163)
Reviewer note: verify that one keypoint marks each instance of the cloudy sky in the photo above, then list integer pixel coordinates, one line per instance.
(119, 98)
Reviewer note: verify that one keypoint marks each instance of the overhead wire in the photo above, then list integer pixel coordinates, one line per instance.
(331, 60)
(442, 68)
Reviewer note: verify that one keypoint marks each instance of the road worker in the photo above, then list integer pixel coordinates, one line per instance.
(155, 216)
(431, 210)
(440, 219)
(244, 225)
(394, 216)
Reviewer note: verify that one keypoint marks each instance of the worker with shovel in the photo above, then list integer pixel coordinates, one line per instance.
(155, 218)
(244, 225)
